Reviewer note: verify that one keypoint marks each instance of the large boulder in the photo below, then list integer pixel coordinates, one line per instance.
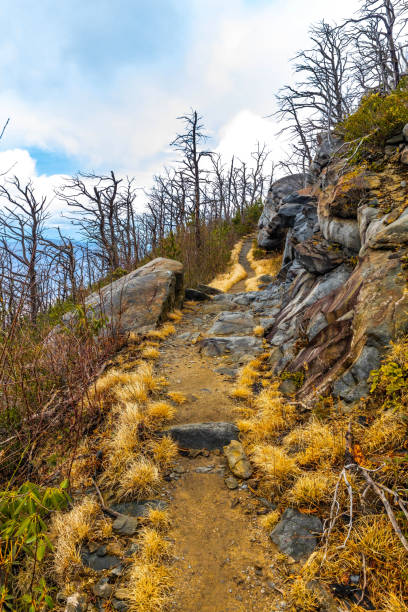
(141, 299)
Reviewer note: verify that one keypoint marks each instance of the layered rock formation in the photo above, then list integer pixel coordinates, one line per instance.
(340, 297)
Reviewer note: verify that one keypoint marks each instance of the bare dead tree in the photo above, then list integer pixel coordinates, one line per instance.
(23, 218)
(188, 144)
(380, 35)
(98, 204)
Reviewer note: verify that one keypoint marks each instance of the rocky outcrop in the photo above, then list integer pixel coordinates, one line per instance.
(141, 299)
(271, 229)
(340, 297)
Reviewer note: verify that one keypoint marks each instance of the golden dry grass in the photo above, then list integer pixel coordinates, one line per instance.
(270, 265)
(312, 488)
(160, 412)
(139, 480)
(68, 531)
(385, 558)
(234, 274)
(271, 415)
(270, 520)
(302, 598)
(150, 352)
(316, 443)
(279, 469)
(386, 433)
(241, 392)
(159, 519)
(153, 546)
(162, 332)
(83, 466)
(177, 397)
(148, 587)
(109, 381)
(164, 451)
(120, 449)
(258, 331)
(175, 316)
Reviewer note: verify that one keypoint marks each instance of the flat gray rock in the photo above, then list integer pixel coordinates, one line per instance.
(296, 534)
(203, 435)
(125, 525)
(237, 346)
(138, 509)
(229, 323)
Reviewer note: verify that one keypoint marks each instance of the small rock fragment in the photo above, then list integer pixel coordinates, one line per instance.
(237, 460)
(231, 482)
(125, 525)
(102, 589)
(76, 603)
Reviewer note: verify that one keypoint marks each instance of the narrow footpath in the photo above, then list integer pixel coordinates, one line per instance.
(224, 561)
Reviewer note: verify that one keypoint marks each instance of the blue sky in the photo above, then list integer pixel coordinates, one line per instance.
(98, 84)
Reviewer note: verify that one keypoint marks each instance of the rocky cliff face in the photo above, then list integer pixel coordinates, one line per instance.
(341, 296)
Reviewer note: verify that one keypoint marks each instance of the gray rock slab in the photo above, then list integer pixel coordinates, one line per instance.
(237, 346)
(203, 435)
(296, 534)
(98, 563)
(229, 323)
(125, 525)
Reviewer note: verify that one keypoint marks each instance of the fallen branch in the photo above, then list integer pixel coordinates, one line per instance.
(105, 508)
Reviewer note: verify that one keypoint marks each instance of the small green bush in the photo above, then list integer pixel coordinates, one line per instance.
(378, 118)
(23, 532)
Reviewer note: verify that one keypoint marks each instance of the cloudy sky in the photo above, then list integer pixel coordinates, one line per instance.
(98, 84)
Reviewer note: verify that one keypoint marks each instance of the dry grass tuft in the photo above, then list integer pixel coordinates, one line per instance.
(312, 489)
(153, 546)
(175, 316)
(270, 520)
(83, 466)
(259, 331)
(164, 451)
(302, 598)
(109, 381)
(133, 338)
(148, 587)
(159, 519)
(160, 412)
(278, 467)
(68, 531)
(386, 433)
(270, 265)
(140, 479)
(385, 558)
(236, 272)
(271, 416)
(120, 449)
(316, 443)
(177, 397)
(150, 352)
(135, 391)
(162, 333)
(241, 392)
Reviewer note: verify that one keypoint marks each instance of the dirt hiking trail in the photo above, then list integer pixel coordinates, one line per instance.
(224, 561)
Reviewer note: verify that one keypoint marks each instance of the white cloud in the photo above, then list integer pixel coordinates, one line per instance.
(236, 60)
